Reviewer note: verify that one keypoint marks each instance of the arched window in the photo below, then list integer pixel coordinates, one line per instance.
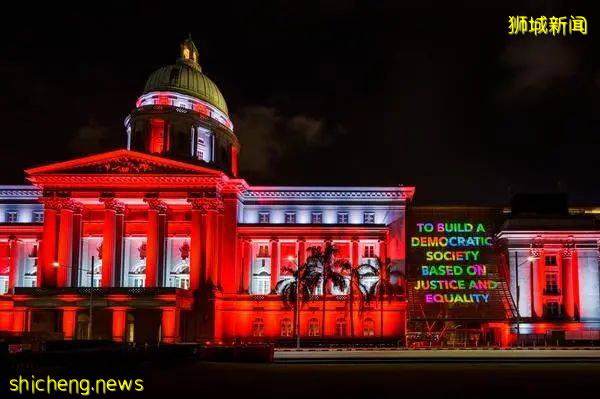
(340, 327)
(368, 327)
(286, 327)
(313, 327)
(186, 53)
(258, 327)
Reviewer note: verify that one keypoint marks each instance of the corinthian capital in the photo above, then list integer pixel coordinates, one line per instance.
(113, 204)
(156, 204)
(72, 205)
(566, 252)
(54, 203)
(206, 204)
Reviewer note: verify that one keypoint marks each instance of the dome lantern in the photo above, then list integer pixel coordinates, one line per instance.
(189, 54)
(182, 114)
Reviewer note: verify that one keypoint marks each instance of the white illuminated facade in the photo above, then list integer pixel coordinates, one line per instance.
(322, 205)
(185, 103)
(554, 274)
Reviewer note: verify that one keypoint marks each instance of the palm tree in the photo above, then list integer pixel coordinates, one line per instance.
(356, 285)
(328, 269)
(302, 282)
(383, 287)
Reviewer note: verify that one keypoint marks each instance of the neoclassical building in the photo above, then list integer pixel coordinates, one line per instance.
(163, 240)
(170, 243)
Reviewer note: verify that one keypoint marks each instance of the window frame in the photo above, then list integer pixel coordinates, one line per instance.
(292, 217)
(264, 217)
(341, 216)
(369, 217)
(316, 217)
(8, 216)
(38, 216)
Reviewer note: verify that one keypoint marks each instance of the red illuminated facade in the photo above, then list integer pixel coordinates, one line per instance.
(172, 245)
(166, 242)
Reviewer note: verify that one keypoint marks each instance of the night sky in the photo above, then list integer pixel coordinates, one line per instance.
(325, 93)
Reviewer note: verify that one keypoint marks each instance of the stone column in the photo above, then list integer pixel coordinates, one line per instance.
(537, 294)
(274, 263)
(65, 246)
(157, 210)
(13, 267)
(197, 244)
(210, 240)
(383, 252)
(109, 241)
(246, 265)
(69, 322)
(170, 325)
(218, 268)
(568, 283)
(237, 266)
(301, 251)
(65, 242)
(231, 246)
(119, 321)
(46, 273)
(20, 323)
(76, 248)
(355, 253)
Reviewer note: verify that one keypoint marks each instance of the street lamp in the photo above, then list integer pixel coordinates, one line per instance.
(291, 259)
(529, 259)
(56, 265)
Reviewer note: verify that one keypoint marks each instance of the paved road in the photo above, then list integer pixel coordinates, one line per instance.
(463, 380)
(510, 355)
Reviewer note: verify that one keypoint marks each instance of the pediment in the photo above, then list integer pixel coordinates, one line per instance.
(123, 162)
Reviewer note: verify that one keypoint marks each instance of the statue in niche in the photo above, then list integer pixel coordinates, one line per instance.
(139, 267)
(142, 250)
(99, 250)
(34, 252)
(184, 251)
(183, 266)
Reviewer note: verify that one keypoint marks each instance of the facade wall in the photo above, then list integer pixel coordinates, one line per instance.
(524, 280)
(589, 285)
(117, 242)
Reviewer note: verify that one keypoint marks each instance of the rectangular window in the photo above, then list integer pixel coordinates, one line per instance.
(290, 217)
(157, 136)
(369, 218)
(203, 150)
(342, 217)
(264, 217)
(316, 218)
(551, 260)
(38, 216)
(12, 216)
(369, 251)
(551, 284)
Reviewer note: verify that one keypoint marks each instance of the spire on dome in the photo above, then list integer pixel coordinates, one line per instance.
(189, 53)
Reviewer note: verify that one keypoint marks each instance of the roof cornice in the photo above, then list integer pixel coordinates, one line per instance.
(329, 193)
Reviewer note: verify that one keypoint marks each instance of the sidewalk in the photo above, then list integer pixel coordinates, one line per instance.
(401, 355)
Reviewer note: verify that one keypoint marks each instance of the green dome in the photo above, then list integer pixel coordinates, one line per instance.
(186, 77)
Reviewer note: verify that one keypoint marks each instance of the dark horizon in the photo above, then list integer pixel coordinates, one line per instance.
(339, 93)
